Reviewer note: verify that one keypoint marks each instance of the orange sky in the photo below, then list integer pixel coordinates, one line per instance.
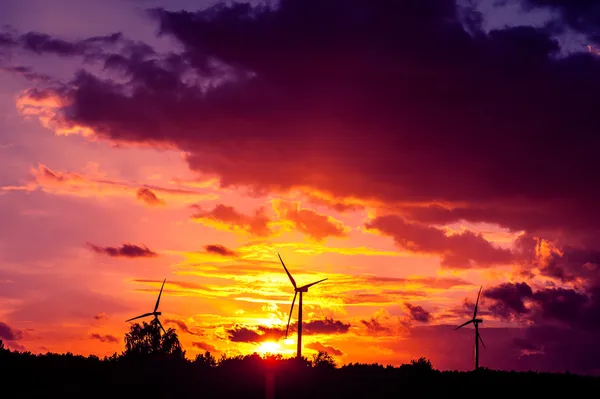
(369, 278)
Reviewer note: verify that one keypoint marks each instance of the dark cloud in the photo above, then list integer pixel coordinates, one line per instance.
(9, 334)
(101, 316)
(329, 349)
(581, 15)
(565, 305)
(204, 346)
(559, 260)
(374, 326)
(455, 120)
(264, 333)
(182, 326)
(124, 251)
(509, 299)
(26, 72)
(105, 338)
(219, 250)
(570, 307)
(461, 250)
(325, 326)
(417, 313)
(42, 43)
(149, 197)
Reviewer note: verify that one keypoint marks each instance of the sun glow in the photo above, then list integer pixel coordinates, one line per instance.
(269, 347)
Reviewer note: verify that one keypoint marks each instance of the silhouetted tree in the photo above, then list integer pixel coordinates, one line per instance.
(323, 360)
(420, 367)
(148, 339)
(205, 359)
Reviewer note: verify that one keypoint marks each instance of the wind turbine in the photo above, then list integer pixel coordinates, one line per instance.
(297, 290)
(155, 312)
(475, 322)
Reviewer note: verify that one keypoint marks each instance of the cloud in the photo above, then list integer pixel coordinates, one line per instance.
(417, 313)
(205, 346)
(101, 316)
(509, 299)
(95, 184)
(272, 135)
(461, 250)
(262, 333)
(439, 125)
(124, 251)
(182, 326)
(581, 16)
(340, 205)
(149, 197)
(219, 250)
(105, 338)
(326, 326)
(375, 325)
(309, 222)
(558, 259)
(317, 346)
(42, 43)
(228, 218)
(9, 334)
(567, 306)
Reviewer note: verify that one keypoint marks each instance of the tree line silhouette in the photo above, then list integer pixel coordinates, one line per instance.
(154, 363)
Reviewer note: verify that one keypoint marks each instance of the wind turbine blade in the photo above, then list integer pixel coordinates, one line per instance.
(311, 284)
(288, 273)
(139, 317)
(160, 324)
(481, 340)
(159, 294)
(464, 324)
(290, 318)
(477, 303)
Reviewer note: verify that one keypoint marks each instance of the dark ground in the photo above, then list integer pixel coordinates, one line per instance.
(71, 376)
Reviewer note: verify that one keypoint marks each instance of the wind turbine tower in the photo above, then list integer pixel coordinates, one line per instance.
(475, 322)
(297, 290)
(155, 312)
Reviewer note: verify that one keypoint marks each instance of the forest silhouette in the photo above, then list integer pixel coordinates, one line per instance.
(154, 364)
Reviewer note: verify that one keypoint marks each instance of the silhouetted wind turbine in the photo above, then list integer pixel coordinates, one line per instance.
(475, 322)
(155, 312)
(297, 290)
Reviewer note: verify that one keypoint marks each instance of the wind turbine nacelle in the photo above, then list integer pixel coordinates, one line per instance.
(157, 313)
(477, 320)
(302, 289)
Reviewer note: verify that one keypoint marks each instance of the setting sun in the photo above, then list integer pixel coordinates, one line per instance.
(269, 347)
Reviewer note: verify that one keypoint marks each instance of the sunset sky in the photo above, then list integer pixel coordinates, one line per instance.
(407, 151)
